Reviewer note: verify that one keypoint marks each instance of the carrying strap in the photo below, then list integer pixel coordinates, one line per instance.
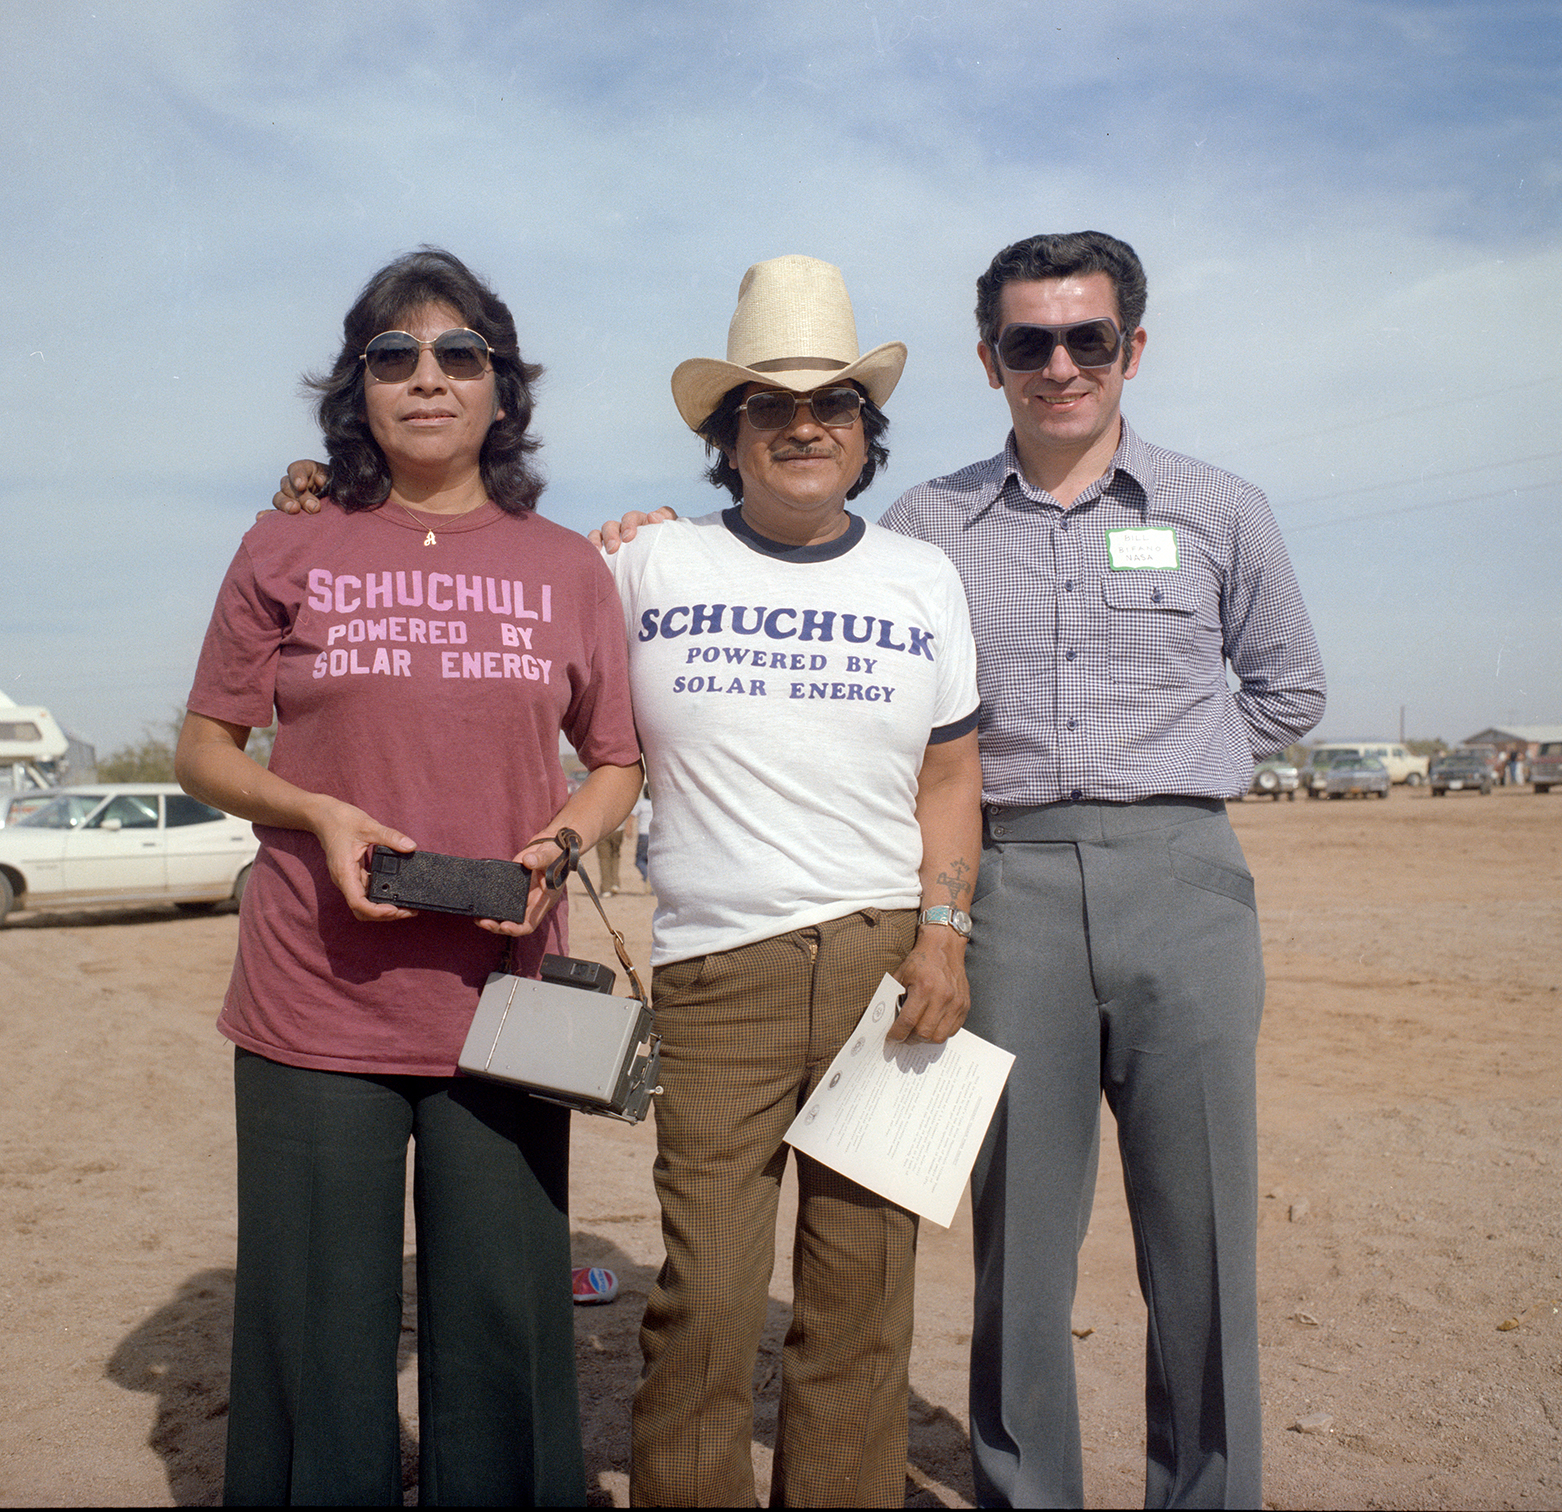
(554, 877)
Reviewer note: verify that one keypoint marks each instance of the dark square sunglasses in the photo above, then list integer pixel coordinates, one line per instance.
(1028, 348)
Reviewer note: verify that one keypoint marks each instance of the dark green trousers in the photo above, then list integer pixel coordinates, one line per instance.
(317, 1306)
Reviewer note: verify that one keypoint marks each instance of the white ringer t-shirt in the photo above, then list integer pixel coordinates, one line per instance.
(784, 698)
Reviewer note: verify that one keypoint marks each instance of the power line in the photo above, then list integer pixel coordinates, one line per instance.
(1460, 472)
(1383, 514)
(1419, 409)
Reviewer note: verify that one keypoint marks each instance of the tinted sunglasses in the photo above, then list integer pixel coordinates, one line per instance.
(1029, 348)
(837, 407)
(392, 357)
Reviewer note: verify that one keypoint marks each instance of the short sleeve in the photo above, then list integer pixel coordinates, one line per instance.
(958, 702)
(600, 723)
(235, 678)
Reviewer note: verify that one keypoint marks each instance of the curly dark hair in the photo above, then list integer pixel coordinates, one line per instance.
(720, 434)
(360, 478)
(1070, 254)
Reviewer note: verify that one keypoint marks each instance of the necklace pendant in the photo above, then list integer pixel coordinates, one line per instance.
(429, 540)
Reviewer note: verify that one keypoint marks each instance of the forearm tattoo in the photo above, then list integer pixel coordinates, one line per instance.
(954, 878)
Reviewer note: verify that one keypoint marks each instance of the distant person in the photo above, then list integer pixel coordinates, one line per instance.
(422, 640)
(641, 814)
(609, 848)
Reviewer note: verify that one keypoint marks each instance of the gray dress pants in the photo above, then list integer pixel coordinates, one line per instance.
(1116, 950)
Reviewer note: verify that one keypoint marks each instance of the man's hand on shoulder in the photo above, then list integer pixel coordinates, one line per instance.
(302, 485)
(614, 533)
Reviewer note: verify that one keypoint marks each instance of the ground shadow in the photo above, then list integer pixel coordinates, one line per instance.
(96, 918)
(180, 1356)
(607, 1355)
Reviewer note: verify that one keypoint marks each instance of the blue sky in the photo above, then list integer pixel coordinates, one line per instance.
(1348, 211)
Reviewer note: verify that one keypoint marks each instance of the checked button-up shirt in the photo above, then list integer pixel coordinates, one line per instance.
(1103, 631)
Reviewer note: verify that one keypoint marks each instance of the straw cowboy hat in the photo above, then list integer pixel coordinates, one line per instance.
(793, 328)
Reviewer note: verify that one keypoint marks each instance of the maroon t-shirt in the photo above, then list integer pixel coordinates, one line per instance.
(427, 683)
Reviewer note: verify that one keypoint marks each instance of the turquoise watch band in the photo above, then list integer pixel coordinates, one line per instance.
(954, 918)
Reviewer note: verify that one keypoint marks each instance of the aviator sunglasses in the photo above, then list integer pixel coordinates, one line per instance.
(392, 357)
(838, 407)
(1029, 348)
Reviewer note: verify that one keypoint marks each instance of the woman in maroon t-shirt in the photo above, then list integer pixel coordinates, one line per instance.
(423, 641)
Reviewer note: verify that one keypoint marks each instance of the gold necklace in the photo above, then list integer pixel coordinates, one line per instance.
(429, 539)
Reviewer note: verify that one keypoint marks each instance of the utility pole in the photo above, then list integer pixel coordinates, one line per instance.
(1401, 724)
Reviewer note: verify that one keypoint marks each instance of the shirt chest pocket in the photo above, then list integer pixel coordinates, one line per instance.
(1152, 623)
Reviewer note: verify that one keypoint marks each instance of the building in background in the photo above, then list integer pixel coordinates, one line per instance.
(1512, 748)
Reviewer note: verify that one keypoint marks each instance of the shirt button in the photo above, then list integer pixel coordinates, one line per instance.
(1077, 794)
(1073, 724)
(1068, 656)
(1068, 586)
(1155, 597)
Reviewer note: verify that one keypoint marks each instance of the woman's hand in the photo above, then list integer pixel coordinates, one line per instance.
(596, 808)
(541, 899)
(348, 836)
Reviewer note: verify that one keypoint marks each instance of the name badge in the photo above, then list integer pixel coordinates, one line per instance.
(1151, 546)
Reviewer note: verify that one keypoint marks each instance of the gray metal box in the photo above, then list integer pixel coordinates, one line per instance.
(587, 1050)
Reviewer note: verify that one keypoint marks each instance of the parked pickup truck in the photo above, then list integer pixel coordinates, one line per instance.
(1456, 771)
(1545, 767)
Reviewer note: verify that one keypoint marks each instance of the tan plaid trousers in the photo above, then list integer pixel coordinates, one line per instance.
(746, 1034)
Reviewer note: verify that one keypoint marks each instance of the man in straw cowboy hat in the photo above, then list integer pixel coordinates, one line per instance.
(804, 686)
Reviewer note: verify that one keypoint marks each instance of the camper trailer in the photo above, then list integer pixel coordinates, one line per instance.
(34, 750)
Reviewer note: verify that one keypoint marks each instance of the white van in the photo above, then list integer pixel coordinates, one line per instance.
(1402, 766)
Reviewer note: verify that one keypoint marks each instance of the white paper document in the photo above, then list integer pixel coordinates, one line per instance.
(905, 1121)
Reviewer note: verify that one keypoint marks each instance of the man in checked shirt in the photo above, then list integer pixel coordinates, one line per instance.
(1116, 946)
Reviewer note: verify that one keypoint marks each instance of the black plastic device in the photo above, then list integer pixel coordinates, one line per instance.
(449, 884)
(567, 971)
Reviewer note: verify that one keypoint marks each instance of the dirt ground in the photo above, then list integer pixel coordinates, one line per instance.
(1410, 1243)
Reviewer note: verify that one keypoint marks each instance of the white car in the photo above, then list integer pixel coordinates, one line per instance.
(124, 842)
(17, 805)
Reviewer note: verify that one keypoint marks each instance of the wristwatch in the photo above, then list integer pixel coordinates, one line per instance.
(955, 918)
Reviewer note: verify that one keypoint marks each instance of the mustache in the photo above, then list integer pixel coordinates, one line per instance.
(799, 451)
